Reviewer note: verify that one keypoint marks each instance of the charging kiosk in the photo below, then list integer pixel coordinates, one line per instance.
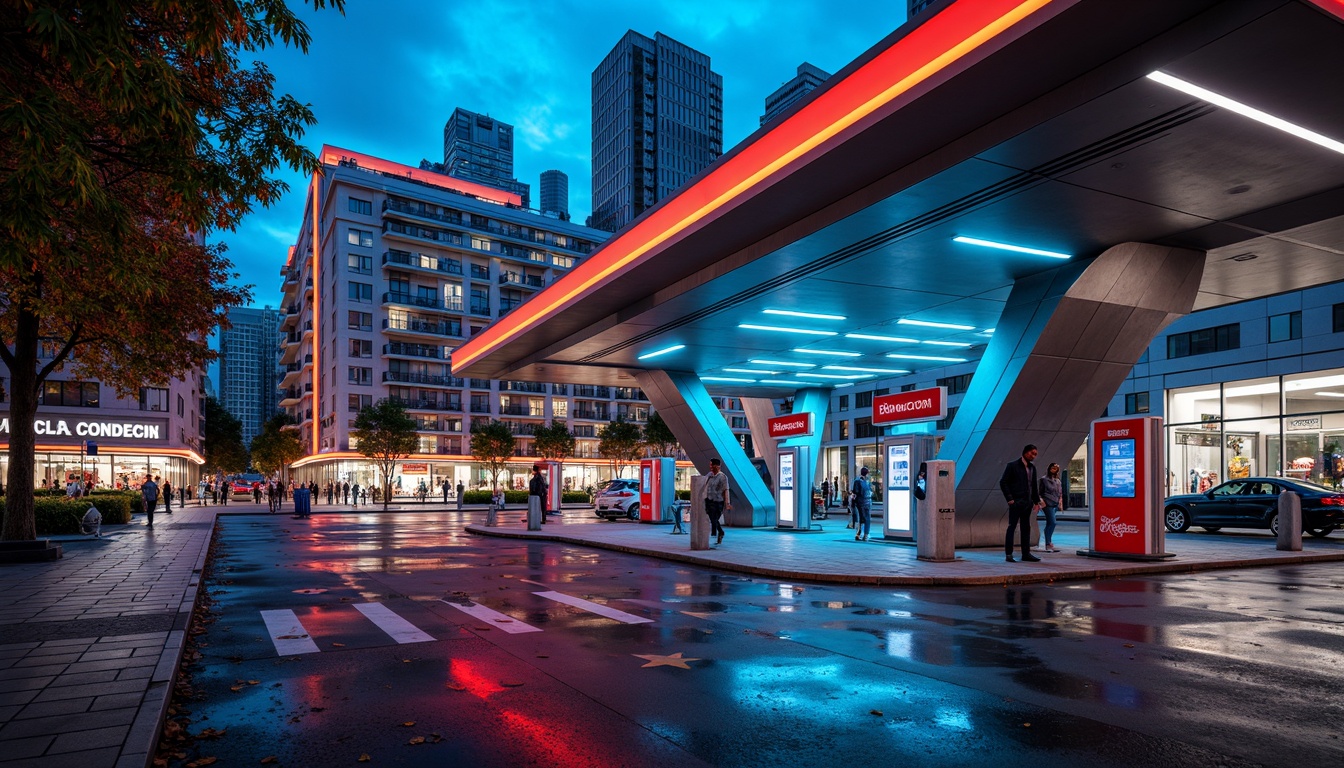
(1126, 468)
(552, 471)
(657, 489)
(793, 488)
(901, 455)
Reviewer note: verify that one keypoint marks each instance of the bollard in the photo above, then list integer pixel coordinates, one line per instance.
(534, 513)
(699, 522)
(491, 517)
(1290, 522)
(937, 533)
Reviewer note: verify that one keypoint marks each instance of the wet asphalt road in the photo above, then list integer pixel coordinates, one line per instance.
(1219, 668)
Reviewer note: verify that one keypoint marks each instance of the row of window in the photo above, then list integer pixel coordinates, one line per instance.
(1284, 327)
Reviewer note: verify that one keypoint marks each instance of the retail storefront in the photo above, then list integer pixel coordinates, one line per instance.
(124, 451)
(1284, 426)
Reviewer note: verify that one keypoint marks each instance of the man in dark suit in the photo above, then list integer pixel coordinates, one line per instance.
(1019, 487)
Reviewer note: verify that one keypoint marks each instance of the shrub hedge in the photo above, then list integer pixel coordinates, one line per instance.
(520, 497)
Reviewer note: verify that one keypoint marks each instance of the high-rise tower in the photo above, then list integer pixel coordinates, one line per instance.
(480, 148)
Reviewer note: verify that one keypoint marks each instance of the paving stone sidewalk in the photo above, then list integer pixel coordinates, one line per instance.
(89, 643)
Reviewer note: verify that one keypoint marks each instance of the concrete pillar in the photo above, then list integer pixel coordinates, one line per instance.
(1290, 522)
(699, 522)
(1067, 339)
(759, 411)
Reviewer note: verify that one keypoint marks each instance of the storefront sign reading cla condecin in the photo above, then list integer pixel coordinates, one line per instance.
(916, 405)
(134, 430)
(793, 425)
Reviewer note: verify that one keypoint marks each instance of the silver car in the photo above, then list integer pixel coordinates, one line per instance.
(618, 498)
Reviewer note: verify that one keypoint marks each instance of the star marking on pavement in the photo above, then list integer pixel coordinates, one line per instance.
(675, 660)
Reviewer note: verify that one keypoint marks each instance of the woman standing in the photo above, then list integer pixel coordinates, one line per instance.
(1051, 491)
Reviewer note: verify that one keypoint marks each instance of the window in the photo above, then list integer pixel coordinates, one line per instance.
(361, 348)
(1285, 327)
(909, 387)
(360, 402)
(844, 402)
(946, 423)
(361, 206)
(1204, 341)
(181, 406)
(842, 429)
(361, 376)
(361, 264)
(359, 237)
(82, 394)
(1338, 325)
(480, 243)
(361, 292)
(1136, 402)
(737, 422)
(863, 400)
(153, 399)
(360, 321)
(863, 427)
(956, 385)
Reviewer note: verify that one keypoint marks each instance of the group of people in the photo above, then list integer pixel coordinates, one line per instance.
(150, 493)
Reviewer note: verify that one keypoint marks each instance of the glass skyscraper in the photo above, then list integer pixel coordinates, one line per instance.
(249, 367)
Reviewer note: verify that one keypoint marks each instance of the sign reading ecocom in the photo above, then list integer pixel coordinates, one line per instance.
(793, 425)
(134, 430)
(916, 405)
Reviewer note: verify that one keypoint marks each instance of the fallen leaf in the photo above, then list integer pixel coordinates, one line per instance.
(417, 740)
(510, 683)
(1129, 645)
(408, 724)
(291, 637)
(456, 687)
(253, 682)
(1026, 725)
(877, 712)
(364, 758)
(338, 645)
(269, 760)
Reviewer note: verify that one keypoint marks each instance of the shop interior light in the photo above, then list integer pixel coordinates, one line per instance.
(862, 370)
(751, 370)
(1008, 247)
(663, 351)
(875, 337)
(928, 357)
(1330, 394)
(1315, 382)
(728, 379)
(931, 324)
(1218, 100)
(947, 343)
(792, 313)
(781, 329)
(830, 352)
(839, 376)
(785, 363)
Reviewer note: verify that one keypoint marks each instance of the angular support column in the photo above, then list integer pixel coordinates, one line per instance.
(816, 401)
(689, 411)
(1066, 341)
(759, 411)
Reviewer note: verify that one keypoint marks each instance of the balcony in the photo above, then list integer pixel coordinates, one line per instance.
(520, 427)
(591, 414)
(587, 390)
(421, 261)
(412, 209)
(536, 411)
(451, 329)
(449, 406)
(480, 308)
(479, 273)
(522, 386)
(414, 350)
(480, 407)
(421, 302)
(436, 380)
(629, 393)
(422, 233)
(523, 280)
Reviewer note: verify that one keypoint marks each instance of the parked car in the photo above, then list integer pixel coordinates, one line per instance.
(241, 485)
(1253, 502)
(618, 498)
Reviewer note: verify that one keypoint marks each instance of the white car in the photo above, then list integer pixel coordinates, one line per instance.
(618, 498)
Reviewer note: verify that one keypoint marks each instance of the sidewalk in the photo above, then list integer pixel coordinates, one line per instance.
(832, 554)
(89, 643)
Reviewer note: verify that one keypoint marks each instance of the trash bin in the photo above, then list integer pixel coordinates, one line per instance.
(302, 502)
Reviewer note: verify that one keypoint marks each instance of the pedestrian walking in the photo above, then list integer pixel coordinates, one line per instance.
(1019, 487)
(354, 491)
(716, 499)
(1051, 490)
(460, 490)
(863, 505)
(345, 491)
(149, 491)
(167, 497)
(202, 487)
(330, 492)
(826, 493)
(537, 487)
(445, 493)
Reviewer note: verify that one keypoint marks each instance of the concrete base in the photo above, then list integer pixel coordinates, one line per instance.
(1122, 556)
(39, 551)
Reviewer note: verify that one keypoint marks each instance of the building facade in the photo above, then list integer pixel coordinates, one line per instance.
(396, 266)
(657, 122)
(249, 367)
(555, 194)
(479, 148)
(809, 77)
(157, 431)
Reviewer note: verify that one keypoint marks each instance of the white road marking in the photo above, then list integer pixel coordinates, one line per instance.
(396, 627)
(494, 618)
(591, 607)
(287, 633)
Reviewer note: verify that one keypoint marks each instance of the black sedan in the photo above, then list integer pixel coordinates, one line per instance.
(1253, 502)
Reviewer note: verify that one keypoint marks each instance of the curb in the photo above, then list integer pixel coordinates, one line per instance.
(1030, 577)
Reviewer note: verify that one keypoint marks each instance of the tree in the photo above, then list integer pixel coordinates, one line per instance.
(276, 447)
(223, 439)
(620, 441)
(129, 132)
(492, 445)
(386, 435)
(554, 441)
(658, 436)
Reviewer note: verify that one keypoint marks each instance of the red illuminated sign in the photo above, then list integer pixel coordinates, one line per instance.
(793, 425)
(1122, 515)
(916, 405)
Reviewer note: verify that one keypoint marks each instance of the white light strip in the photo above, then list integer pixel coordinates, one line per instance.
(1246, 111)
(930, 324)
(791, 313)
(829, 352)
(784, 363)
(1330, 394)
(783, 381)
(947, 343)
(862, 370)
(750, 370)
(672, 348)
(780, 329)
(874, 337)
(728, 379)
(1006, 247)
(928, 357)
(842, 377)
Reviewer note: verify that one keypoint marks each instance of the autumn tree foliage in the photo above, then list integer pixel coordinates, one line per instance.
(129, 131)
(620, 441)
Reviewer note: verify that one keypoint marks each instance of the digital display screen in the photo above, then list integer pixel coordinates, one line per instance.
(786, 502)
(648, 479)
(1118, 469)
(898, 488)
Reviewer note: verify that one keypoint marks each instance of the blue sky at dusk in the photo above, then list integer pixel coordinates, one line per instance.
(383, 79)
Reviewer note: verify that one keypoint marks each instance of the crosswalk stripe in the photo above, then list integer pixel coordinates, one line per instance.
(591, 607)
(287, 633)
(396, 627)
(494, 618)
